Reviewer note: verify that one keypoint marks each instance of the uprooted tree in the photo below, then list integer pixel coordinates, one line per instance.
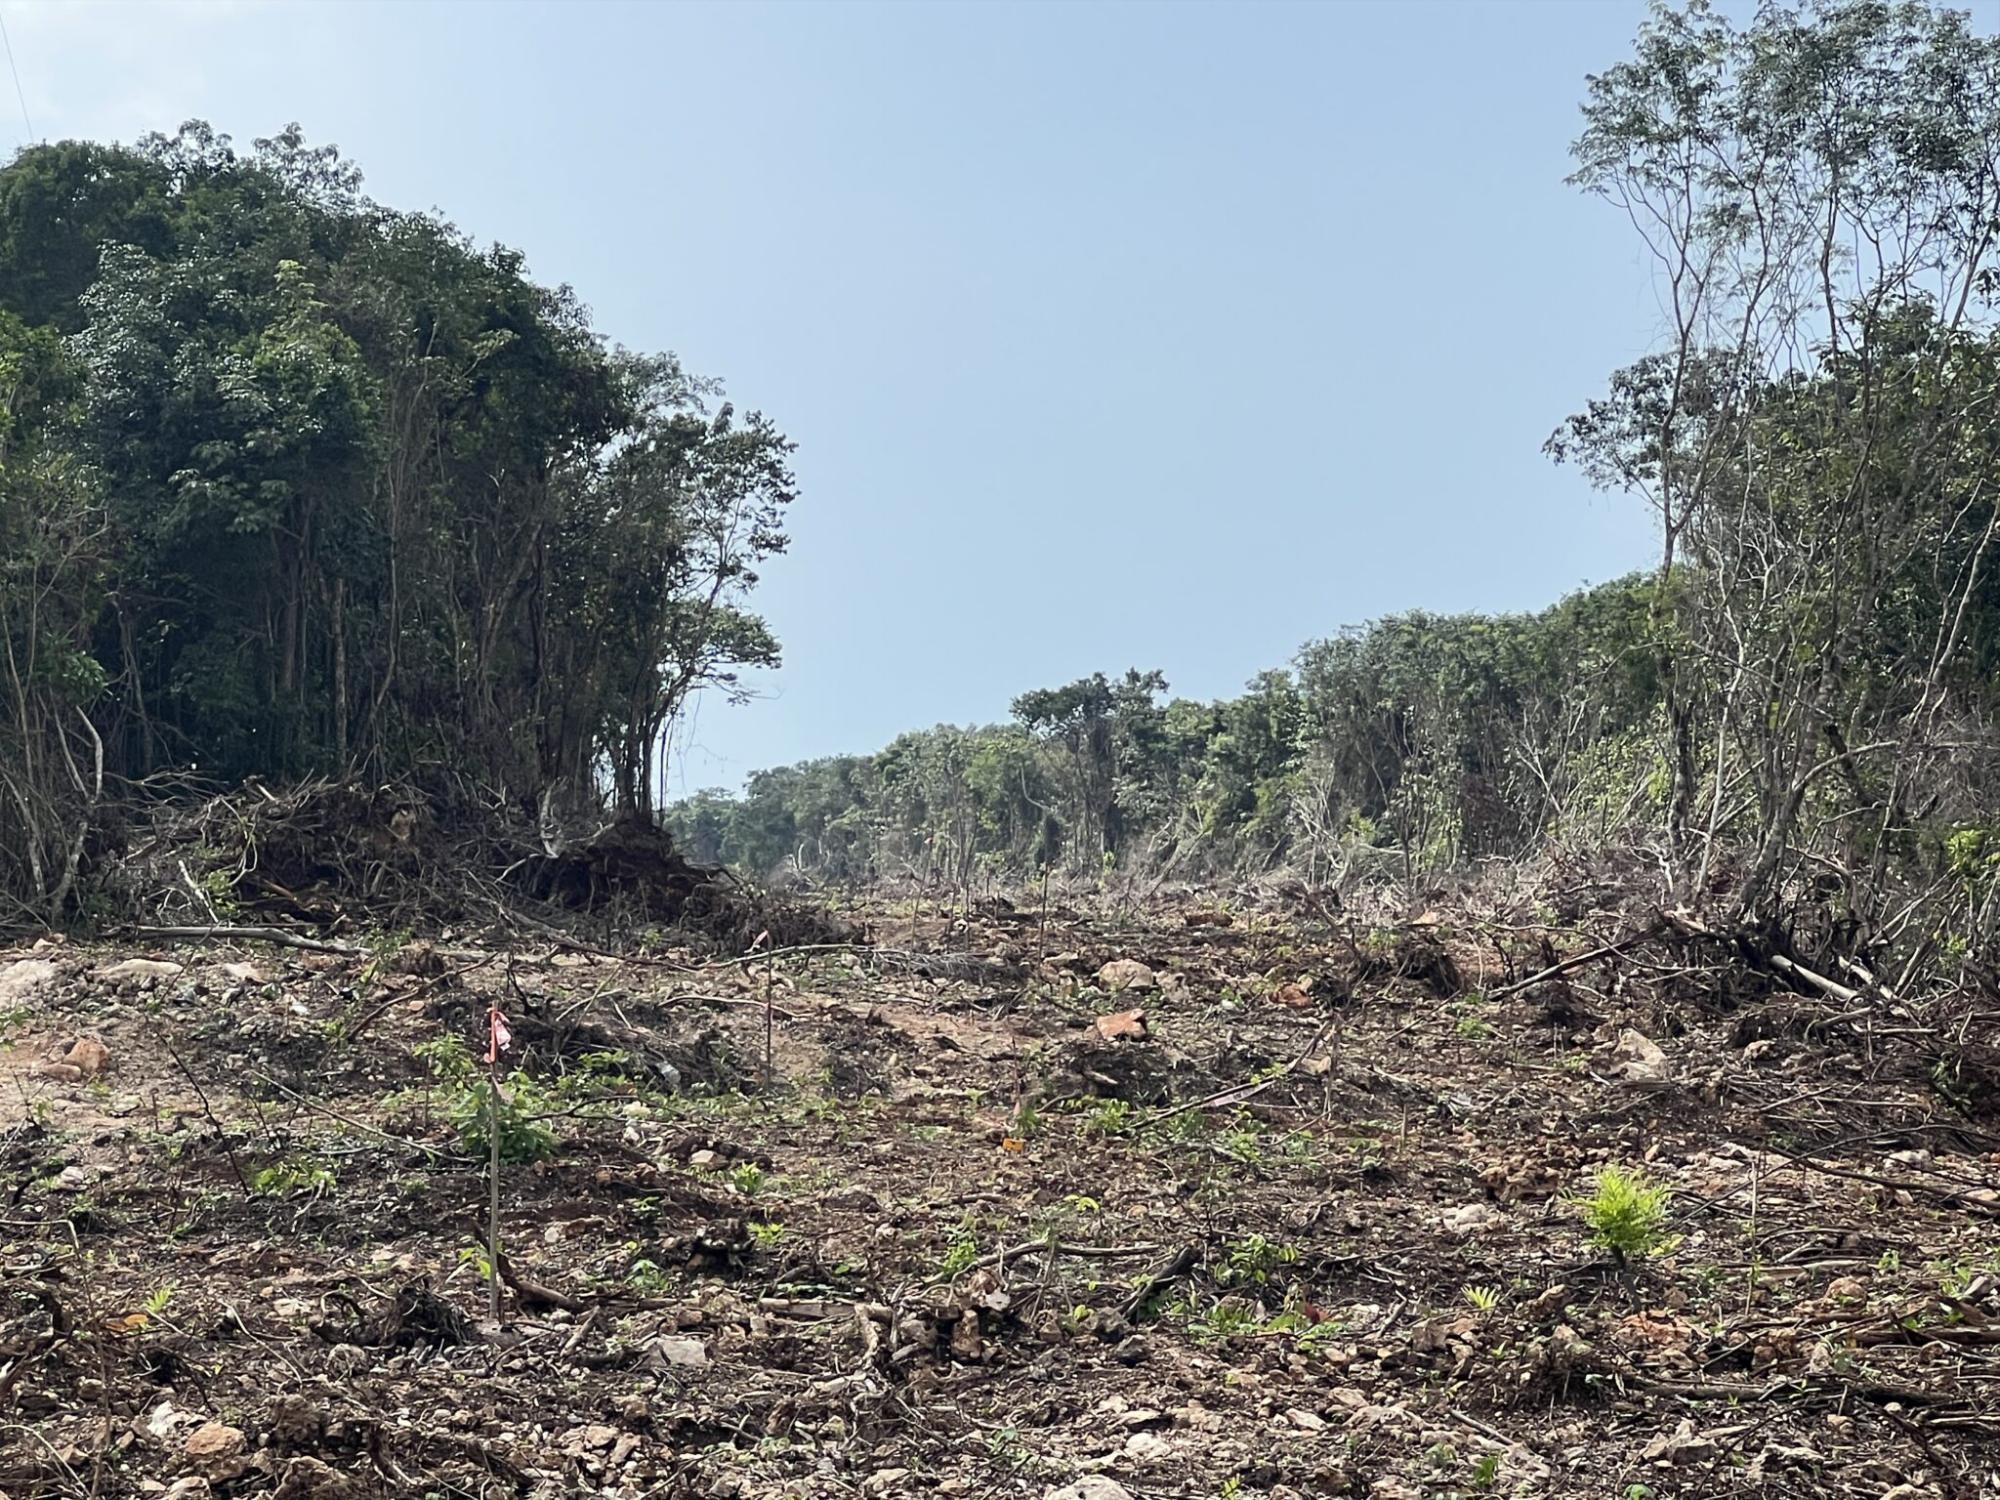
(292, 484)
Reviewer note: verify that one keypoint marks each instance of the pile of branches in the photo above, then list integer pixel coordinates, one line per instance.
(324, 857)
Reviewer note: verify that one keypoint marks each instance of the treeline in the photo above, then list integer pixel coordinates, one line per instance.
(292, 483)
(1416, 742)
(1792, 717)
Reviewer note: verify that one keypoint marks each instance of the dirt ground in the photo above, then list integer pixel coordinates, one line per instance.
(1308, 1224)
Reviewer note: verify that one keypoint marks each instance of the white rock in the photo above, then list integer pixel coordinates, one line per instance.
(138, 968)
(1636, 1059)
(680, 1350)
(1473, 1218)
(23, 977)
(1090, 1487)
(1127, 974)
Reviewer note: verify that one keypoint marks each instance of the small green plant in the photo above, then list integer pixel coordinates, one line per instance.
(1254, 1260)
(1485, 1298)
(961, 1252)
(1108, 1117)
(1027, 1121)
(766, 1234)
(1228, 1317)
(472, 1108)
(1231, 1488)
(1626, 1214)
(1486, 1472)
(292, 1177)
(1473, 1029)
(1441, 1456)
(649, 1277)
(748, 1178)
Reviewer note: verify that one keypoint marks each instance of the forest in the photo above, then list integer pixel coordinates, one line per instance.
(294, 485)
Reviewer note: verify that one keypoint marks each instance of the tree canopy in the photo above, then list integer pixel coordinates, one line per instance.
(293, 483)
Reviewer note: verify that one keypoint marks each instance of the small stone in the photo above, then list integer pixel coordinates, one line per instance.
(1473, 1218)
(73, 1178)
(680, 1351)
(597, 1437)
(1636, 1059)
(216, 1447)
(1847, 1289)
(1133, 1351)
(61, 1072)
(1122, 1024)
(242, 973)
(1090, 1487)
(705, 1160)
(89, 1056)
(344, 1360)
(295, 1420)
(313, 1479)
(1148, 1447)
(188, 1487)
(966, 1343)
(1681, 1446)
(1127, 974)
(884, 1481)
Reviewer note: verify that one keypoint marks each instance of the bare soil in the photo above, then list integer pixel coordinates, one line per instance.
(1308, 1225)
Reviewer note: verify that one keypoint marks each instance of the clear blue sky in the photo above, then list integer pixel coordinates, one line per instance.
(1161, 336)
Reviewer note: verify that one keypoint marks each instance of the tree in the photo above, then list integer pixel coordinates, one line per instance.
(1820, 193)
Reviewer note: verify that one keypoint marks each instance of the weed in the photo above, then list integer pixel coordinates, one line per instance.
(1227, 1317)
(293, 1175)
(1626, 1214)
(1253, 1260)
(748, 1178)
(1108, 1117)
(471, 1107)
(961, 1252)
(1485, 1298)
(766, 1234)
(1473, 1029)
(649, 1277)
(1486, 1472)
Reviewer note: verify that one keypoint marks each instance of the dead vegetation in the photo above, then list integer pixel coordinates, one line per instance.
(1207, 1199)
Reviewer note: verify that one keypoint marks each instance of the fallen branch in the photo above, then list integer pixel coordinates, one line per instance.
(1161, 1277)
(1575, 962)
(1052, 1247)
(283, 937)
(1241, 1092)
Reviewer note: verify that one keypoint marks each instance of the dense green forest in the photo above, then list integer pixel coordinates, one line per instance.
(295, 484)
(291, 483)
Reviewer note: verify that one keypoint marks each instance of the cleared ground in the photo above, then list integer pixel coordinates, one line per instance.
(1308, 1225)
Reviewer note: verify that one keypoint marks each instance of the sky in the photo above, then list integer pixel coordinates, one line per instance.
(1111, 335)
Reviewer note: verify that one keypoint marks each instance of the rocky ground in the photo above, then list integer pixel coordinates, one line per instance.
(1192, 1201)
